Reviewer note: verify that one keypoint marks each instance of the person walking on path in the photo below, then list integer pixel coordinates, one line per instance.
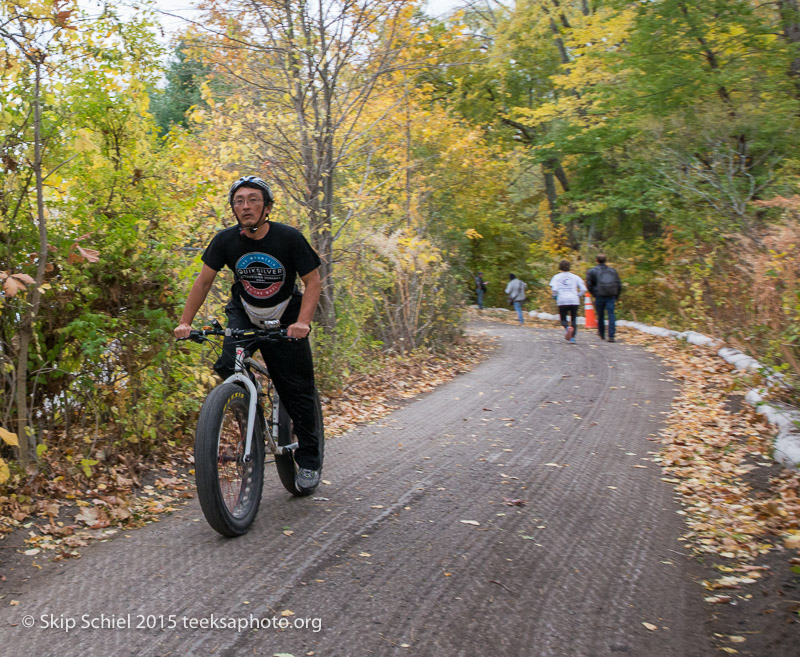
(567, 291)
(605, 286)
(480, 289)
(516, 294)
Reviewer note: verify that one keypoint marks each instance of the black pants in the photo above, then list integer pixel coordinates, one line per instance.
(573, 313)
(291, 368)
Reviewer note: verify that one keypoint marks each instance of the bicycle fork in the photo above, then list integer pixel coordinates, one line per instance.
(239, 376)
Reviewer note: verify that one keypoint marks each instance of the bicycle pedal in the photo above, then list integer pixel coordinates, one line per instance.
(286, 449)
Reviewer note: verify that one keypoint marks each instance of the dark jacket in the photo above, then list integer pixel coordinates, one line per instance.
(592, 278)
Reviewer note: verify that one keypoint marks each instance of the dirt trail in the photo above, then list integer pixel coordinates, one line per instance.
(412, 548)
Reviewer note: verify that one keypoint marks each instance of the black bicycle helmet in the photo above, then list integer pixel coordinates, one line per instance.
(251, 181)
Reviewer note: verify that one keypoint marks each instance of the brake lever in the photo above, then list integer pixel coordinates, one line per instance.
(196, 337)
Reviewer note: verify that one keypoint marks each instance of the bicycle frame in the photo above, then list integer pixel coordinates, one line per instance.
(240, 376)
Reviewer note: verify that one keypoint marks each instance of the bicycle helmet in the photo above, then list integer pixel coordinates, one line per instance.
(252, 181)
(256, 183)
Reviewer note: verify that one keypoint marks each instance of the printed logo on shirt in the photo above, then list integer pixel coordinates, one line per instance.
(262, 275)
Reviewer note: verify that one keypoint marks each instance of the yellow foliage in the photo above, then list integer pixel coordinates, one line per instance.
(602, 31)
(537, 115)
(554, 236)
(84, 142)
(408, 253)
(9, 438)
(589, 40)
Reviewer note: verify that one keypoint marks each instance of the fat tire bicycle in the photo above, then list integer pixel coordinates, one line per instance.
(235, 430)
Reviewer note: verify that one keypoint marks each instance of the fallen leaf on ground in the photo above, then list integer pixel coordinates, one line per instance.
(718, 599)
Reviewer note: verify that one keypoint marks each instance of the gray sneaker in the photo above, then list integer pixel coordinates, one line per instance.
(306, 479)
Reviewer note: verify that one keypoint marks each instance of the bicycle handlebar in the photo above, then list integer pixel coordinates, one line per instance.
(273, 333)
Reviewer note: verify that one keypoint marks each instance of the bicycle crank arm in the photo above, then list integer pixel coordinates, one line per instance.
(280, 450)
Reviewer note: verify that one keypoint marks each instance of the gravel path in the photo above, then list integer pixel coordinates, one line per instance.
(416, 545)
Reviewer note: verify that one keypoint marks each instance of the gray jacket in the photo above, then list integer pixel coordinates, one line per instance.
(516, 290)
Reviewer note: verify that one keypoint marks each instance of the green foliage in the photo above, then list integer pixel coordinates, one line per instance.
(501, 141)
(650, 131)
(183, 90)
(350, 349)
(101, 362)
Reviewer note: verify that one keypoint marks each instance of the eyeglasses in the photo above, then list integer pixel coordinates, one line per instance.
(253, 199)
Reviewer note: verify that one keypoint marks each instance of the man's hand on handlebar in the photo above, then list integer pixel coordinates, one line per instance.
(298, 330)
(182, 331)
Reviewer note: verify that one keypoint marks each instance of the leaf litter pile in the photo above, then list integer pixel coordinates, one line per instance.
(371, 396)
(64, 510)
(69, 502)
(717, 452)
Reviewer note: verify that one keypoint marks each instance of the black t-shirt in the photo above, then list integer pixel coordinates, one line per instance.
(264, 270)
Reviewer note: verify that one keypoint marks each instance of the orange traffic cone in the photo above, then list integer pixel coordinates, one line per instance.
(588, 309)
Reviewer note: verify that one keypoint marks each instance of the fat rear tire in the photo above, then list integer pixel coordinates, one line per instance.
(285, 464)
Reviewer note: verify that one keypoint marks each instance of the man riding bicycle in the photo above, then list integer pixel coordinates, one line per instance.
(266, 257)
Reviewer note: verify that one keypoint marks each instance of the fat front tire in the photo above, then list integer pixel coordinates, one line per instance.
(229, 489)
(287, 468)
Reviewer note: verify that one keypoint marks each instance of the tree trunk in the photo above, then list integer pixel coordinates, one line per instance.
(325, 242)
(25, 334)
(316, 150)
(326, 309)
(559, 173)
(562, 49)
(326, 184)
(790, 17)
(26, 331)
(550, 191)
(552, 171)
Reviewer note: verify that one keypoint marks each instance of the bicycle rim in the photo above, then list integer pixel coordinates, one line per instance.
(235, 478)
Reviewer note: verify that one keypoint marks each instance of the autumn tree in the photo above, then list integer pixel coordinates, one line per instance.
(294, 80)
(515, 52)
(671, 121)
(33, 38)
(86, 246)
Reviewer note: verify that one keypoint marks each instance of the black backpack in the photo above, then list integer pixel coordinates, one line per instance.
(606, 282)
